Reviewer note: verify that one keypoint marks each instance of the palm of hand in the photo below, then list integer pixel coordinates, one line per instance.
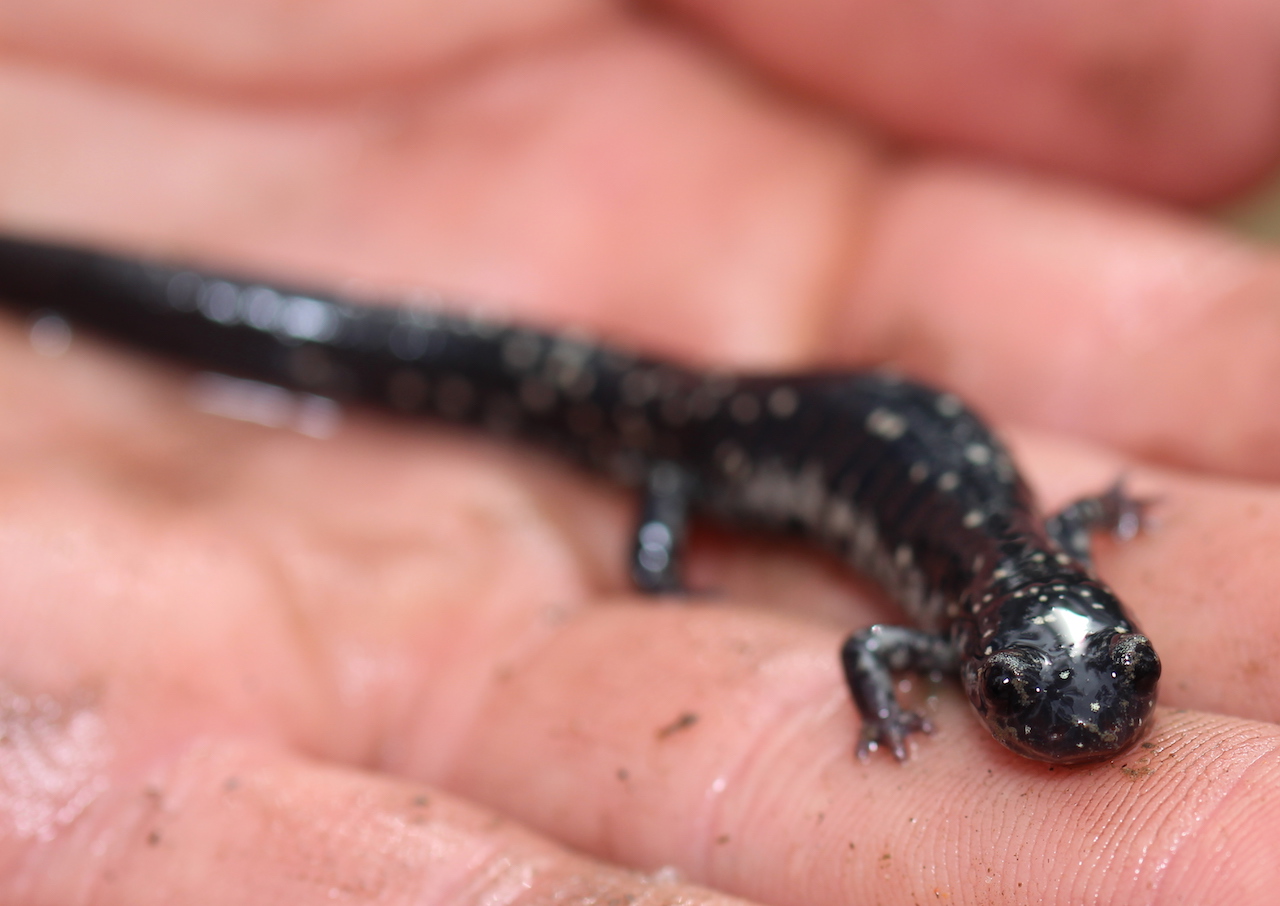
(233, 657)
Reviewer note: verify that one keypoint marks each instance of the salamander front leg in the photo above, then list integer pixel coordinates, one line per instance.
(660, 534)
(869, 658)
(1111, 511)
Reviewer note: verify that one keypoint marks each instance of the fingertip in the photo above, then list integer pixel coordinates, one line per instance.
(1176, 100)
(1053, 306)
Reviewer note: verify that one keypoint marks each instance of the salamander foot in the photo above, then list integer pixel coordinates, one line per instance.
(891, 732)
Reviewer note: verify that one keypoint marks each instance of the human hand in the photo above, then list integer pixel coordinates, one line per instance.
(243, 665)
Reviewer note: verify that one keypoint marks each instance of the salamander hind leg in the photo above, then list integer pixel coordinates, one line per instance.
(660, 533)
(870, 658)
(1114, 510)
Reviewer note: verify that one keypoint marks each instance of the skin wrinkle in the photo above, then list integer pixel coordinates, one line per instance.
(517, 616)
(789, 717)
(362, 840)
(306, 640)
(265, 550)
(743, 801)
(1209, 870)
(120, 596)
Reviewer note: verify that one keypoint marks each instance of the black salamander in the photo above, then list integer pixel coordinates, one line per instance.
(903, 482)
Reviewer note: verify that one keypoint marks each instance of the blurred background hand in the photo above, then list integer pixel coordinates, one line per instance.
(239, 664)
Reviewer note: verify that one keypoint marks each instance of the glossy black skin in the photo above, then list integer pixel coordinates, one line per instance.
(1068, 679)
(903, 482)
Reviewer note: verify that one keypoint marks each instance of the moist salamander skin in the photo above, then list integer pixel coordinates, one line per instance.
(903, 482)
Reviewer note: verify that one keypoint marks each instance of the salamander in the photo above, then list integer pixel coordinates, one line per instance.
(902, 481)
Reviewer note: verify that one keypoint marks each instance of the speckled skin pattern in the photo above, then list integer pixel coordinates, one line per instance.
(904, 483)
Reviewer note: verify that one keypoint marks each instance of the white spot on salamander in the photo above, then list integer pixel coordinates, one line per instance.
(655, 542)
(308, 319)
(948, 481)
(262, 307)
(183, 290)
(886, 423)
(839, 519)
(219, 301)
(973, 519)
(978, 454)
(948, 405)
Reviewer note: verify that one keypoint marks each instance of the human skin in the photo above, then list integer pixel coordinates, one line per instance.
(402, 664)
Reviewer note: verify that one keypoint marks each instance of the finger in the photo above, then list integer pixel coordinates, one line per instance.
(220, 821)
(1175, 100)
(266, 48)
(1095, 317)
(735, 764)
(505, 185)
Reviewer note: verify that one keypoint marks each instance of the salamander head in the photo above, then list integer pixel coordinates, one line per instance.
(1069, 685)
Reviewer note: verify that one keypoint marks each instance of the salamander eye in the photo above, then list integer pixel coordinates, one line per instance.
(1008, 677)
(1138, 661)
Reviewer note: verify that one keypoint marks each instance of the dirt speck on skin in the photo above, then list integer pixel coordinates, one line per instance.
(680, 724)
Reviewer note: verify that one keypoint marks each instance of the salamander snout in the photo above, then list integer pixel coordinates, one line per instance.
(1067, 703)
